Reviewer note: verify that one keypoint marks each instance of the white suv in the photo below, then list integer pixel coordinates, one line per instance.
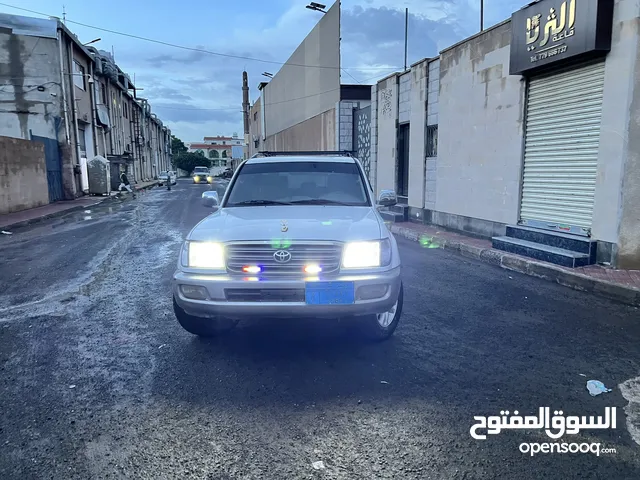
(294, 236)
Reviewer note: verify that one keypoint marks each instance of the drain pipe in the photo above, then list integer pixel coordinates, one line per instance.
(65, 108)
(74, 111)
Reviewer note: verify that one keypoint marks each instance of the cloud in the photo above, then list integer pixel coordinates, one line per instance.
(200, 94)
(175, 112)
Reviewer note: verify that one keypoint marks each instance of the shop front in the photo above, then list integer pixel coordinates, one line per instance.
(560, 47)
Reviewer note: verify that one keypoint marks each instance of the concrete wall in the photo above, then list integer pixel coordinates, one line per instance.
(317, 133)
(23, 175)
(404, 108)
(480, 143)
(431, 163)
(616, 216)
(387, 107)
(26, 63)
(417, 102)
(373, 156)
(255, 128)
(297, 93)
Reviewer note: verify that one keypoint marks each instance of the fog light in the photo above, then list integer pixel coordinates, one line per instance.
(313, 269)
(251, 269)
(369, 292)
(193, 292)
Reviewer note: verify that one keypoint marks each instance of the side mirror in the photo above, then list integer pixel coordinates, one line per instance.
(387, 198)
(210, 199)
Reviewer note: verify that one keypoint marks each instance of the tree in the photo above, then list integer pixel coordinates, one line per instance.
(177, 146)
(190, 160)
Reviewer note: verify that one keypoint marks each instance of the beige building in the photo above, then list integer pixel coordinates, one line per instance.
(58, 94)
(304, 107)
(530, 138)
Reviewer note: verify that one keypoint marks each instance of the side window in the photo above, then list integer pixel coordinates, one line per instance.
(78, 75)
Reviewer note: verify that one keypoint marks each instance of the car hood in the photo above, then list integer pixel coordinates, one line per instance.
(304, 222)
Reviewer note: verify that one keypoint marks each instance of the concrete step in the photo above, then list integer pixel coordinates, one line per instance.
(393, 217)
(546, 253)
(566, 241)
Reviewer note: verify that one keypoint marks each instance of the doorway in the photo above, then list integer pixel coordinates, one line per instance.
(402, 179)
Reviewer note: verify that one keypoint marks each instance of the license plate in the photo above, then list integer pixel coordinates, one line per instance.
(329, 293)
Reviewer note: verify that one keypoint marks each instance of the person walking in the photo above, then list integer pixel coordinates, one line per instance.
(124, 183)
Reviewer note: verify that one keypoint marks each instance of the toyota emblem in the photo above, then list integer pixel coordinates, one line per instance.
(282, 256)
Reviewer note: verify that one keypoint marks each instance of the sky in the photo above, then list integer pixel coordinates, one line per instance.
(198, 93)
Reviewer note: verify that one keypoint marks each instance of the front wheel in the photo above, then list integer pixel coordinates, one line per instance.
(381, 326)
(203, 327)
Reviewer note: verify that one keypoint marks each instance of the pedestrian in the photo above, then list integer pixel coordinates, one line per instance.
(124, 182)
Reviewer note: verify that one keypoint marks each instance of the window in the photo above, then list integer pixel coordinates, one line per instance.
(432, 140)
(81, 140)
(299, 183)
(78, 75)
(103, 93)
(224, 154)
(255, 116)
(213, 154)
(125, 110)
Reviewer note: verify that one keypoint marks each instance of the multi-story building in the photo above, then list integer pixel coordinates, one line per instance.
(219, 149)
(73, 99)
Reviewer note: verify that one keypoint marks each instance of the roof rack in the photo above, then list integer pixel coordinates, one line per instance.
(341, 153)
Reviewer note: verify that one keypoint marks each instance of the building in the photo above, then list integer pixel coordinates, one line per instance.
(305, 106)
(530, 134)
(63, 95)
(219, 149)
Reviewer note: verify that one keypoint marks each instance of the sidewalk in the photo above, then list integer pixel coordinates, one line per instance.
(34, 215)
(619, 285)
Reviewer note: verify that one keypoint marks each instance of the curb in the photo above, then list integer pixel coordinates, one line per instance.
(60, 213)
(534, 268)
(48, 216)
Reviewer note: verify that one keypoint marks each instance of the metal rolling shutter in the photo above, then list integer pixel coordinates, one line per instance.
(562, 135)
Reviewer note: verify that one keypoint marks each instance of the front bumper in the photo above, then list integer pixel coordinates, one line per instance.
(218, 286)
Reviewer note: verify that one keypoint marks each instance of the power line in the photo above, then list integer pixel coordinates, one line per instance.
(193, 49)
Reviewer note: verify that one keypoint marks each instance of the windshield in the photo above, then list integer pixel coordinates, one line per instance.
(298, 183)
(201, 170)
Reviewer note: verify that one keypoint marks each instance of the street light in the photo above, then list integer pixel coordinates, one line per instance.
(318, 7)
(92, 41)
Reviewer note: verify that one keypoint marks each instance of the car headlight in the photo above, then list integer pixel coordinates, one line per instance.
(203, 255)
(367, 254)
(196, 178)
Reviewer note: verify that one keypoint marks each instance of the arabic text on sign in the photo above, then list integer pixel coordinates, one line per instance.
(555, 28)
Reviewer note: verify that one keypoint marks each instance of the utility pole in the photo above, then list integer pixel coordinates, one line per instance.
(406, 36)
(245, 108)
(481, 15)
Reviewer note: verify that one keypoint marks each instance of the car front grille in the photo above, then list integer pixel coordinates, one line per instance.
(265, 294)
(327, 255)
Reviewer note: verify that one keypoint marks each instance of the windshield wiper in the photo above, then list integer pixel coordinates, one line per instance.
(257, 202)
(320, 201)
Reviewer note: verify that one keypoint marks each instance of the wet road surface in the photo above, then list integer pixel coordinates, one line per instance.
(99, 381)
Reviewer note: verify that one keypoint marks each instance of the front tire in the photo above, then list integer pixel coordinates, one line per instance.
(381, 326)
(203, 327)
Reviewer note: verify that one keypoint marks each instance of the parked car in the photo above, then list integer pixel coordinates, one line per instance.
(292, 236)
(202, 175)
(166, 177)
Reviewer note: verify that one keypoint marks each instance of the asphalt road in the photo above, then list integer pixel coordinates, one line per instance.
(98, 381)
